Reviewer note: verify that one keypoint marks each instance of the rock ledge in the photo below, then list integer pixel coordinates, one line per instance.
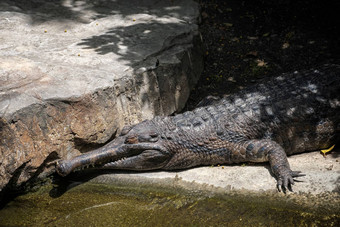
(72, 73)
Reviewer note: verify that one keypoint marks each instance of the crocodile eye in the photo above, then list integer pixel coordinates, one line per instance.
(149, 137)
(153, 134)
(154, 138)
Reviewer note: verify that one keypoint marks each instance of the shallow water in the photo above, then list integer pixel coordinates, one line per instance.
(92, 204)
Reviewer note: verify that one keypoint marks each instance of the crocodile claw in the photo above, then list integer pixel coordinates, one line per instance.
(286, 180)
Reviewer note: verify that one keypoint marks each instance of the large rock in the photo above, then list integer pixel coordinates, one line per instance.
(72, 73)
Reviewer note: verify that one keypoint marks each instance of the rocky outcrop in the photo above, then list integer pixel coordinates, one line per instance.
(73, 73)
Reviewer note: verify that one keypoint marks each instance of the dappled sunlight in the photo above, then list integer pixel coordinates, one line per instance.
(131, 30)
(137, 41)
(86, 10)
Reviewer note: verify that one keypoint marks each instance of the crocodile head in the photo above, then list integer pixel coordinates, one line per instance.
(138, 147)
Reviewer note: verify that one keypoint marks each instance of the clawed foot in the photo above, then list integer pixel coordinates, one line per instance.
(286, 179)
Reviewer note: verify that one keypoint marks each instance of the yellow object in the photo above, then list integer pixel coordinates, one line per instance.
(327, 150)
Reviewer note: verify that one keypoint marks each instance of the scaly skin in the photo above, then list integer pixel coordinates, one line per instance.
(289, 114)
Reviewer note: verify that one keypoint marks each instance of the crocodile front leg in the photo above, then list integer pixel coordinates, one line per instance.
(268, 150)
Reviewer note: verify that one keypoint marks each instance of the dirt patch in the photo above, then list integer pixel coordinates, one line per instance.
(250, 40)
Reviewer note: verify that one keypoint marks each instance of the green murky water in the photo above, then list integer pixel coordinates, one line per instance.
(92, 204)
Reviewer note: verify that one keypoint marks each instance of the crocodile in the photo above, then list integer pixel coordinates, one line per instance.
(287, 114)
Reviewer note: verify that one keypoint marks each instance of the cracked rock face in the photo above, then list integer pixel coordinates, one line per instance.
(73, 73)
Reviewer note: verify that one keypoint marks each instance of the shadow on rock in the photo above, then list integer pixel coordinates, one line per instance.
(139, 41)
(13, 189)
(40, 11)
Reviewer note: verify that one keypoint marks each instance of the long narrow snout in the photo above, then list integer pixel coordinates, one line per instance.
(110, 152)
(121, 153)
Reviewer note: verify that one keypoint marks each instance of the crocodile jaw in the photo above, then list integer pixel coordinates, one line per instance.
(118, 155)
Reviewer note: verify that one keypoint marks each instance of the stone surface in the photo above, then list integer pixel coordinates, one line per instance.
(322, 176)
(72, 73)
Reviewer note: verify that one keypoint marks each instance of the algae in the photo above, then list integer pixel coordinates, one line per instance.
(93, 204)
